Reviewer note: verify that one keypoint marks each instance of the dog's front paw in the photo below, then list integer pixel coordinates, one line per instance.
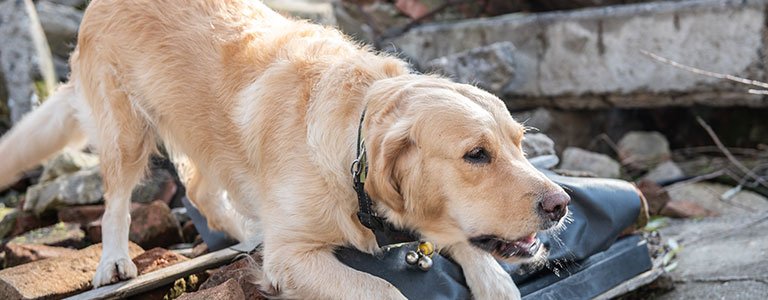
(113, 270)
(494, 286)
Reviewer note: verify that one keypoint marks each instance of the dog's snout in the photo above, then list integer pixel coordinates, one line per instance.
(554, 205)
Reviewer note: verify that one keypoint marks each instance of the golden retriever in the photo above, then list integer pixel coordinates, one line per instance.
(260, 113)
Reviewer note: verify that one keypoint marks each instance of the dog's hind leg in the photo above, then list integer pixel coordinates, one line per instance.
(125, 142)
(213, 203)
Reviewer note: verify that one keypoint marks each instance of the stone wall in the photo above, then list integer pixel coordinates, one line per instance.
(591, 58)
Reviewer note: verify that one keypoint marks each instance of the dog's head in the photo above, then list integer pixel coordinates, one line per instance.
(445, 159)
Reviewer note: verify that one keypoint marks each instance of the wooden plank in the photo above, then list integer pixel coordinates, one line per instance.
(632, 284)
(163, 276)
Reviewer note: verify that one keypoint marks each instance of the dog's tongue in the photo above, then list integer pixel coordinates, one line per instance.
(529, 239)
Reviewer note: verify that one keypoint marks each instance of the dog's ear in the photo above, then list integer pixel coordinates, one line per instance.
(384, 148)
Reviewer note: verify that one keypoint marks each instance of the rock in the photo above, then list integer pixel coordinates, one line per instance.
(180, 213)
(351, 21)
(539, 119)
(685, 209)
(27, 221)
(707, 195)
(67, 162)
(60, 23)
(156, 259)
(590, 58)
(7, 220)
(229, 290)
(577, 159)
(54, 278)
(19, 254)
(656, 196)
(71, 3)
(159, 185)
(61, 234)
(733, 256)
(189, 231)
(83, 214)
(82, 187)
(318, 11)
(25, 57)
(642, 149)
(491, 67)
(664, 171)
(537, 144)
(152, 225)
(243, 271)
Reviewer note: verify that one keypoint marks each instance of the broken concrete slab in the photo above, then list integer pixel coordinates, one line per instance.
(721, 258)
(591, 58)
(25, 57)
(708, 194)
(489, 67)
(54, 278)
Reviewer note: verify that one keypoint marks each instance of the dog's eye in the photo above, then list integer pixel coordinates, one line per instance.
(478, 155)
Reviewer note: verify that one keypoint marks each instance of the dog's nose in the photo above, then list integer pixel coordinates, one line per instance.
(554, 205)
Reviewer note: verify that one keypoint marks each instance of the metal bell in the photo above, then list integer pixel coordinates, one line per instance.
(411, 257)
(425, 263)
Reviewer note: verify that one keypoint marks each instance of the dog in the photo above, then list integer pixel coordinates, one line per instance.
(260, 113)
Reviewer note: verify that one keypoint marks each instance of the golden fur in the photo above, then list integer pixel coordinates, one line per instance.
(260, 114)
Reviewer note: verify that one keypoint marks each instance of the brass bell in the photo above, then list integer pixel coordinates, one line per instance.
(425, 263)
(411, 257)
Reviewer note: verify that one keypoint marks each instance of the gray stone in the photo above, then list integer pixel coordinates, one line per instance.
(70, 3)
(490, 67)
(82, 187)
(25, 57)
(708, 195)
(319, 12)
(67, 162)
(383, 15)
(591, 57)
(718, 258)
(60, 23)
(642, 149)
(601, 165)
(664, 171)
(7, 220)
(540, 119)
(537, 144)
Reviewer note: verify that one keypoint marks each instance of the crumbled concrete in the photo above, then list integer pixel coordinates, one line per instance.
(706, 194)
(721, 258)
(591, 57)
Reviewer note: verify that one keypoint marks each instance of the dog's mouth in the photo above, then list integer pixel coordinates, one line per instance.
(523, 248)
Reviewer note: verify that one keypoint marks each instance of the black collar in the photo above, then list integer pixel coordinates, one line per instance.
(385, 232)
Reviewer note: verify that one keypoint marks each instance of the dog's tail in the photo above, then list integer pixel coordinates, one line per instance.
(39, 135)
